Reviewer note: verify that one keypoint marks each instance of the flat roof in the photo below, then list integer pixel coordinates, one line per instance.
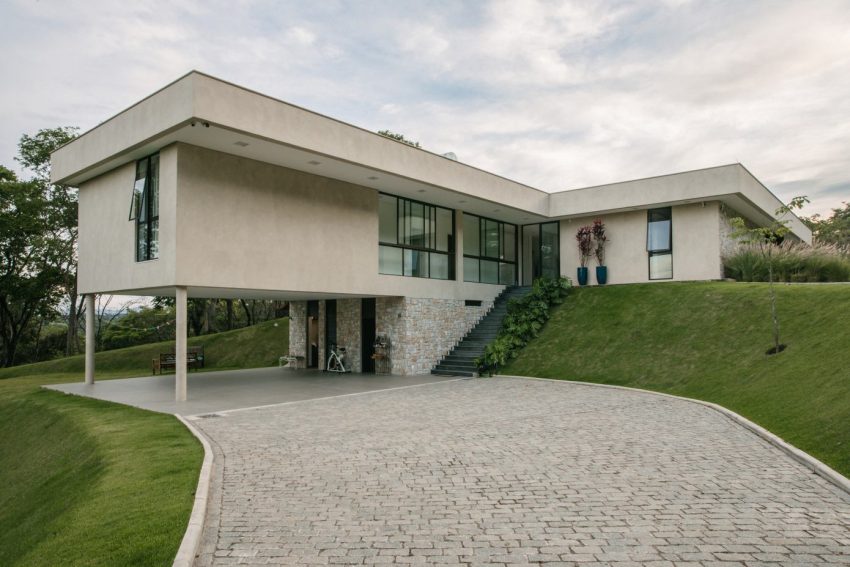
(205, 111)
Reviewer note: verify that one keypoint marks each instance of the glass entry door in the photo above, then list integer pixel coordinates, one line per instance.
(541, 251)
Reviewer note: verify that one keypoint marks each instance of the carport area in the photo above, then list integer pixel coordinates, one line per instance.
(238, 389)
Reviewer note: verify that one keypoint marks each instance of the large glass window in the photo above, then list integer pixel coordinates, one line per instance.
(144, 208)
(415, 239)
(489, 250)
(659, 243)
(541, 251)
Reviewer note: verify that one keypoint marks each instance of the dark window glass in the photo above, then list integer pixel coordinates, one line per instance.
(659, 230)
(489, 248)
(659, 243)
(661, 267)
(471, 237)
(470, 269)
(390, 260)
(144, 208)
(445, 229)
(549, 250)
(489, 272)
(416, 239)
(509, 242)
(387, 219)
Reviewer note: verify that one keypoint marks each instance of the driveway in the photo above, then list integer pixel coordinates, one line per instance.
(226, 390)
(508, 471)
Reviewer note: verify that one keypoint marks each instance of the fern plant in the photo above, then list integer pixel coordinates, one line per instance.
(524, 320)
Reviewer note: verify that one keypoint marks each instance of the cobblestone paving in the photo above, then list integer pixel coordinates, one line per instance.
(513, 472)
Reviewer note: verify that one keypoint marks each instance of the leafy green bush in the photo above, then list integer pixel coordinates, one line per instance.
(792, 262)
(524, 320)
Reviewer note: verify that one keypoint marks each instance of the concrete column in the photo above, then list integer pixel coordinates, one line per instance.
(180, 336)
(91, 317)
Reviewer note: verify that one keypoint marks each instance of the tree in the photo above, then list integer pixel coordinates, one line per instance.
(398, 138)
(30, 280)
(34, 154)
(832, 230)
(765, 238)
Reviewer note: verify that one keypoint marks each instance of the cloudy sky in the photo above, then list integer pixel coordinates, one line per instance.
(558, 95)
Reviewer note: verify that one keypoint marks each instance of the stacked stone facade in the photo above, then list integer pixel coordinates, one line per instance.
(421, 331)
(297, 328)
(348, 330)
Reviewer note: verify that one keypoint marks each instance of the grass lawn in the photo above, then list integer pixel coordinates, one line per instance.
(708, 341)
(86, 482)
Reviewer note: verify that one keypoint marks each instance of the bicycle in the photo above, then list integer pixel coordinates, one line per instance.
(336, 360)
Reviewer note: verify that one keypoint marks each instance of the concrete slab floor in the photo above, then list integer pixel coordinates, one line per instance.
(211, 392)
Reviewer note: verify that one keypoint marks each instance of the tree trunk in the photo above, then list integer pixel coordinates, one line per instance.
(210, 316)
(229, 305)
(71, 337)
(248, 314)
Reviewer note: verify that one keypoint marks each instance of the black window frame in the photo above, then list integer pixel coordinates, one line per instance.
(482, 246)
(142, 209)
(406, 204)
(650, 253)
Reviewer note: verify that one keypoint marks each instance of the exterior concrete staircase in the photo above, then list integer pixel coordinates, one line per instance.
(461, 360)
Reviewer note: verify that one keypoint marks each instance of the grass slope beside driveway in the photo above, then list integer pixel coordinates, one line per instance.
(87, 482)
(250, 347)
(708, 341)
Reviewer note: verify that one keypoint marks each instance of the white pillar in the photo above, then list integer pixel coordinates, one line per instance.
(91, 317)
(180, 345)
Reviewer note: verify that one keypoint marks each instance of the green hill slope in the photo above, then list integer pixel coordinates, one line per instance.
(250, 347)
(87, 482)
(708, 341)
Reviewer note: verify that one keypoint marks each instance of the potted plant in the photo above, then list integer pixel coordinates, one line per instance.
(599, 238)
(584, 237)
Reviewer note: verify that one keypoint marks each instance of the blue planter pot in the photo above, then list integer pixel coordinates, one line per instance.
(582, 276)
(601, 275)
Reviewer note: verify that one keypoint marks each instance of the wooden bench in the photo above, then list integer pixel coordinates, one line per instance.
(168, 360)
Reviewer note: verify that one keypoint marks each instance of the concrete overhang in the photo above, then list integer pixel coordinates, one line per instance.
(204, 111)
(731, 184)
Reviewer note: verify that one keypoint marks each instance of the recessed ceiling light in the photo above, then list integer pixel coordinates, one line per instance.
(241, 144)
(314, 162)
(372, 177)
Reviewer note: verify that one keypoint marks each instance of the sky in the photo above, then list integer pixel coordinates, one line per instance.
(558, 95)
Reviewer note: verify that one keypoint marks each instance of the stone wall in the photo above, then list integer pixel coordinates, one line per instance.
(348, 328)
(422, 331)
(297, 324)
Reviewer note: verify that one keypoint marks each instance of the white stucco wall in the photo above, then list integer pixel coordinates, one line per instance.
(696, 245)
(249, 225)
(107, 258)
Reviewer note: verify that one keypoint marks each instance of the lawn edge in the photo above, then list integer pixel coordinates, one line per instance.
(194, 530)
(821, 469)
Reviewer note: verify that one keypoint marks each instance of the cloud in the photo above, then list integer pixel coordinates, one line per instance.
(555, 94)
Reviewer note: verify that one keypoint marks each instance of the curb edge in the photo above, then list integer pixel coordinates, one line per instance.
(192, 537)
(821, 469)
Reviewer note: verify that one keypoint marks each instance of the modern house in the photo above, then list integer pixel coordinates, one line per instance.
(207, 189)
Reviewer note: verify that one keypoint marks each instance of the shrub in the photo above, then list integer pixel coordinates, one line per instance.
(524, 320)
(584, 238)
(792, 262)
